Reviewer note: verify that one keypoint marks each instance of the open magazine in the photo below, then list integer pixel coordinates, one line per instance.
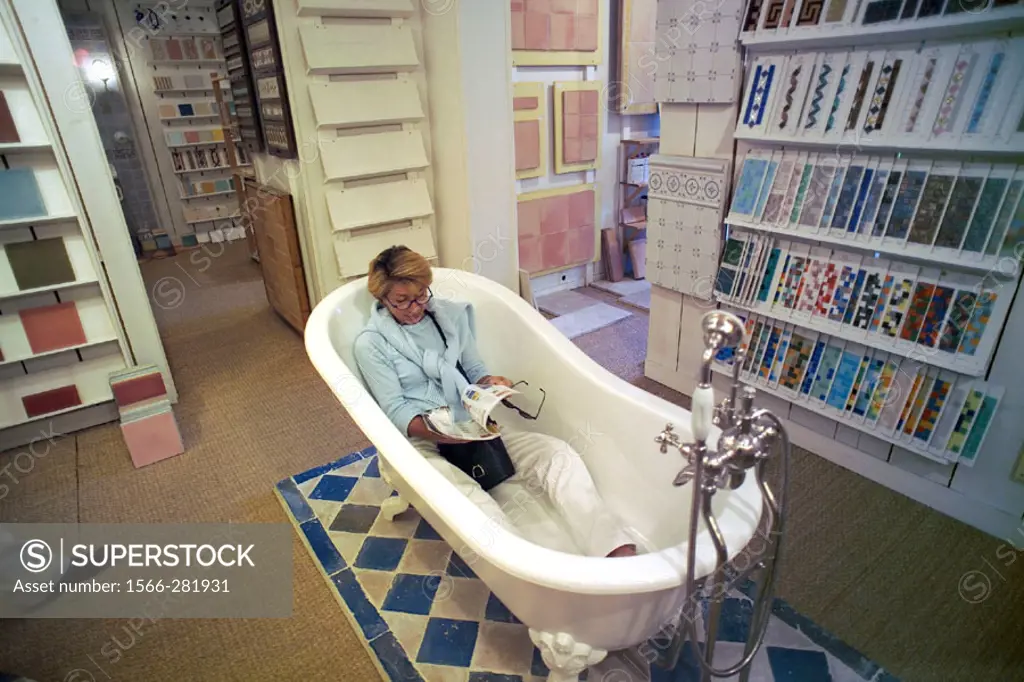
(479, 401)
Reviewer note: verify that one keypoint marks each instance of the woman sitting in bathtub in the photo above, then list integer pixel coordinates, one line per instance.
(410, 370)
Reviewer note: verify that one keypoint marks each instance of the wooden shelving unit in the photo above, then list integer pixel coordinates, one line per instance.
(239, 171)
(633, 206)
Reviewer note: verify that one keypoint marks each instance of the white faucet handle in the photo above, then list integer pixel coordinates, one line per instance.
(702, 412)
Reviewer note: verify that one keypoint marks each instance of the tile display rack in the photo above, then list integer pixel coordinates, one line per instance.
(50, 353)
(38, 220)
(759, 43)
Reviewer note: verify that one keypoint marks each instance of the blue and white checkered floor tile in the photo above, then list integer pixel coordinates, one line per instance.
(425, 615)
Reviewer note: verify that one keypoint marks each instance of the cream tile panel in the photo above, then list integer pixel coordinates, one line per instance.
(358, 48)
(355, 251)
(351, 104)
(355, 8)
(387, 202)
(368, 156)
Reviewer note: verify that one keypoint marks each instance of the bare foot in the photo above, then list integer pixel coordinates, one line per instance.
(624, 550)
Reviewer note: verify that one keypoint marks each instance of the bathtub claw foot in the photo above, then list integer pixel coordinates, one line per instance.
(565, 657)
(392, 507)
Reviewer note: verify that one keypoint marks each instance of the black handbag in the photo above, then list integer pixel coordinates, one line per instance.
(485, 461)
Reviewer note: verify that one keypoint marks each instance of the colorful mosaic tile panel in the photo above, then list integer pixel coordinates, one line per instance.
(858, 285)
(1002, 222)
(956, 324)
(985, 93)
(916, 312)
(964, 421)
(892, 187)
(764, 289)
(815, 106)
(1014, 234)
(815, 203)
(909, 405)
(858, 205)
(801, 192)
(847, 196)
(868, 300)
(773, 203)
(883, 300)
(933, 200)
(896, 307)
(920, 399)
(810, 12)
(858, 382)
(757, 99)
(858, 95)
(780, 356)
(881, 395)
(812, 367)
(749, 185)
(794, 282)
(953, 97)
(932, 409)
(830, 123)
(979, 428)
(766, 187)
(958, 212)
(844, 292)
(872, 201)
(882, 10)
(906, 202)
(812, 282)
(835, 187)
(766, 333)
(921, 92)
(867, 389)
(769, 352)
(826, 289)
(846, 372)
(797, 356)
(826, 372)
(985, 214)
(755, 338)
(936, 315)
(979, 320)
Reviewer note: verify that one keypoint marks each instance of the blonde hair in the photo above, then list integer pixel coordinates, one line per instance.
(396, 265)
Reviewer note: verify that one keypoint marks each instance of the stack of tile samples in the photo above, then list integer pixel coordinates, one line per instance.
(147, 420)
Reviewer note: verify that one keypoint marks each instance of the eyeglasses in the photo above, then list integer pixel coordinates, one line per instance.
(525, 415)
(405, 305)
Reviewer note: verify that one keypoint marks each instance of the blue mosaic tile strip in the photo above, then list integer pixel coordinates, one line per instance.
(451, 642)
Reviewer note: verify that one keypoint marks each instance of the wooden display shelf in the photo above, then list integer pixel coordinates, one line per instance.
(38, 220)
(69, 349)
(961, 25)
(909, 444)
(902, 251)
(854, 143)
(46, 290)
(919, 353)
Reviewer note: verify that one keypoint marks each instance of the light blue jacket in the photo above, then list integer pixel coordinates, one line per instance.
(407, 376)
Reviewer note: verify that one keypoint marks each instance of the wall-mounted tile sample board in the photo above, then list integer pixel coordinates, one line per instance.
(240, 74)
(60, 336)
(556, 32)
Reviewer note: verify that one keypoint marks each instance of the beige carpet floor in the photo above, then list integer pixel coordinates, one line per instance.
(877, 569)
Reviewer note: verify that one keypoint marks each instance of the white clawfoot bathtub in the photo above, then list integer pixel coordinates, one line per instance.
(577, 607)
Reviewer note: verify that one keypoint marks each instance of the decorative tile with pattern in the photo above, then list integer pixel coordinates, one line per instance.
(868, 300)
(916, 312)
(881, 396)
(888, 197)
(978, 112)
(965, 421)
(905, 205)
(1014, 195)
(844, 292)
(952, 98)
(958, 211)
(986, 301)
(930, 209)
(845, 375)
(857, 383)
(867, 389)
(826, 372)
(956, 323)
(935, 316)
(896, 307)
(812, 367)
(429, 618)
(848, 194)
(932, 409)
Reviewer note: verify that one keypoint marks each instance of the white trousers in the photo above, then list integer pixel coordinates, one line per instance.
(546, 466)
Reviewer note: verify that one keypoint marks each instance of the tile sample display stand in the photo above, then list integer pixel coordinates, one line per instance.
(243, 92)
(60, 331)
(236, 153)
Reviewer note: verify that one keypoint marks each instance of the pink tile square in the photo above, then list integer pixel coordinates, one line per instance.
(152, 439)
(588, 148)
(191, 136)
(571, 102)
(570, 126)
(524, 103)
(535, 31)
(586, 33)
(527, 140)
(52, 327)
(586, 7)
(581, 245)
(518, 30)
(518, 5)
(581, 209)
(554, 250)
(588, 101)
(572, 150)
(539, 6)
(563, 33)
(529, 253)
(564, 6)
(588, 125)
(529, 213)
(554, 215)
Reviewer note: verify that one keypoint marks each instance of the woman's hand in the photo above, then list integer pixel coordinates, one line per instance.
(418, 427)
(495, 380)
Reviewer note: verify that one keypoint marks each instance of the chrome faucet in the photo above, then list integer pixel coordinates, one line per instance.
(749, 438)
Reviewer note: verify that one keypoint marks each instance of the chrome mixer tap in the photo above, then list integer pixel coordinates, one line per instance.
(749, 439)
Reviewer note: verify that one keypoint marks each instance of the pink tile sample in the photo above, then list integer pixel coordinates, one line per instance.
(588, 101)
(581, 245)
(152, 439)
(529, 213)
(536, 29)
(571, 102)
(54, 400)
(572, 150)
(524, 103)
(529, 254)
(554, 215)
(586, 33)
(564, 6)
(563, 33)
(581, 209)
(554, 250)
(52, 327)
(518, 29)
(588, 125)
(527, 143)
(539, 6)
(588, 148)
